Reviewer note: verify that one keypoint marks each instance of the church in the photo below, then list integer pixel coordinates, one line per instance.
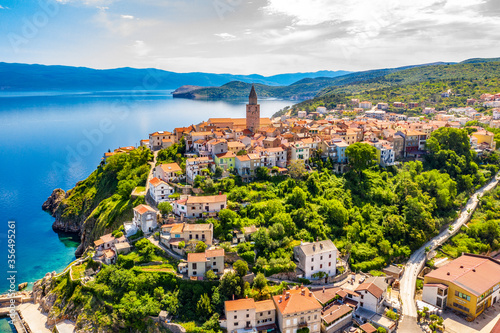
(253, 122)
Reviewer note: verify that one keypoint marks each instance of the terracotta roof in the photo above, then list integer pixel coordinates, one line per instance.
(206, 199)
(177, 229)
(226, 155)
(267, 305)
(496, 328)
(160, 133)
(251, 229)
(141, 209)
(214, 253)
(296, 302)
(240, 304)
(198, 227)
(156, 181)
(368, 328)
(474, 273)
(323, 296)
(98, 242)
(371, 288)
(170, 167)
(336, 312)
(196, 257)
(107, 238)
(108, 253)
(243, 158)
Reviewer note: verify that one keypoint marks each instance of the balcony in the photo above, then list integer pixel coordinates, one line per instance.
(302, 324)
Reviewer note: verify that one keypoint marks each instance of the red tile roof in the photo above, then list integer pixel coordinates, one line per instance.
(296, 302)
(239, 304)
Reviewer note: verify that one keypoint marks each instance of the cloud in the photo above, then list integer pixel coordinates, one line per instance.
(226, 36)
(127, 17)
(141, 49)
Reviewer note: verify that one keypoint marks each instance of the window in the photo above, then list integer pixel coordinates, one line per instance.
(268, 312)
(261, 314)
(362, 296)
(312, 259)
(321, 266)
(312, 268)
(235, 317)
(329, 256)
(329, 264)
(194, 266)
(321, 258)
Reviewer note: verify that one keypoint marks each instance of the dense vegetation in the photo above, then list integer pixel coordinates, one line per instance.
(103, 199)
(482, 233)
(376, 215)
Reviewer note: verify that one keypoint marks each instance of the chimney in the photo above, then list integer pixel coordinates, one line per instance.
(281, 299)
(246, 296)
(287, 296)
(233, 297)
(302, 291)
(284, 291)
(323, 289)
(310, 293)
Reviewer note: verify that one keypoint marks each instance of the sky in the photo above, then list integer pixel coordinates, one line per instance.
(244, 37)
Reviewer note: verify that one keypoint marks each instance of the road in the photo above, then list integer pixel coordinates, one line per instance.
(417, 260)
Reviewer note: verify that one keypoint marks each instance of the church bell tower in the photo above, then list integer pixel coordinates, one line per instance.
(253, 112)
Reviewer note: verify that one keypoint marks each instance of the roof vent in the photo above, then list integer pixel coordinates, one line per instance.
(473, 269)
(448, 273)
(281, 299)
(461, 266)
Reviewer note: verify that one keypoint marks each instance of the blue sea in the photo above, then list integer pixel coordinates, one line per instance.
(52, 140)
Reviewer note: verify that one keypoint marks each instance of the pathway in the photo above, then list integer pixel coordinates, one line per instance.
(418, 258)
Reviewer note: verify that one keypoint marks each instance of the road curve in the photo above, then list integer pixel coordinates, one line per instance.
(418, 258)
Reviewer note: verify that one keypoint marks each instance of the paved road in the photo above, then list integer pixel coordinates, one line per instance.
(418, 258)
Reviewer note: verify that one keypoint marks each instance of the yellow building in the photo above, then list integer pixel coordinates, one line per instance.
(469, 284)
(483, 136)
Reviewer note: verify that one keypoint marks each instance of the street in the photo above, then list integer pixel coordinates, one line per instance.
(418, 259)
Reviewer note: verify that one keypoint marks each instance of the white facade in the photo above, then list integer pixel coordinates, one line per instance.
(317, 257)
(159, 190)
(435, 294)
(300, 151)
(302, 114)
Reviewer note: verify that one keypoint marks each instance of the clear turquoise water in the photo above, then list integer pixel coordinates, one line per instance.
(5, 327)
(54, 140)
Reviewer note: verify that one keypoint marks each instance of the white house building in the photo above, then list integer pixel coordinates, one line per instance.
(159, 190)
(316, 257)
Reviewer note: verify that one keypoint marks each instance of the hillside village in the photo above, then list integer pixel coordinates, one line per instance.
(253, 146)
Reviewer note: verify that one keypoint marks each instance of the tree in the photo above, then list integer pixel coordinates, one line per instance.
(230, 285)
(200, 247)
(204, 307)
(297, 169)
(210, 275)
(165, 208)
(125, 187)
(380, 329)
(262, 173)
(241, 267)
(182, 245)
(361, 156)
(218, 172)
(260, 281)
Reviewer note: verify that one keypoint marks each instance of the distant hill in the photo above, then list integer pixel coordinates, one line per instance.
(419, 84)
(24, 77)
(305, 88)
